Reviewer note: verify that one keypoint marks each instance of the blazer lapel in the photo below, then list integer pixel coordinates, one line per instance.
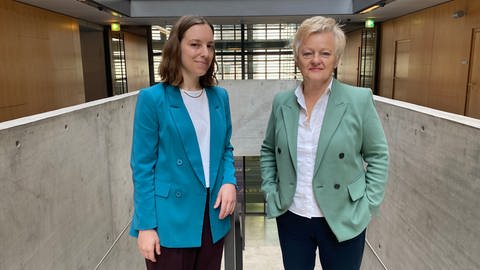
(216, 135)
(185, 130)
(333, 115)
(291, 113)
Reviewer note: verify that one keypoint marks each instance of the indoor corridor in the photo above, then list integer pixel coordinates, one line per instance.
(67, 171)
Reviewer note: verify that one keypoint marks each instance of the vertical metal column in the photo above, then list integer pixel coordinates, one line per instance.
(234, 242)
(233, 248)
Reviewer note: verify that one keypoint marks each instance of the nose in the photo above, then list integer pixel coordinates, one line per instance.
(204, 50)
(317, 58)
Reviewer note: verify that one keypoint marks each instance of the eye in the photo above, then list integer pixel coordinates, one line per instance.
(195, 45)
(325, 54)
(307, 55)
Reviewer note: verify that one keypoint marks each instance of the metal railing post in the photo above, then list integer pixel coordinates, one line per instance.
(233, 248)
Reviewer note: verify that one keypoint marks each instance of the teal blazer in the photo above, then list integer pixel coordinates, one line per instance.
(169, 185)
(351, 163)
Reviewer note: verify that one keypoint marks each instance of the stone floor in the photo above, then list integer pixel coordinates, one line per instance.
(262, 249)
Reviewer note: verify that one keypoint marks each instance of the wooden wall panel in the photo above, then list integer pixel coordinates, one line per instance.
(41, 61)
(386, 61)
(451, 45)
(473, 13)
(348, 66)
(439, 54)
(401, 27)
(402, 83)
(93, 62)
(136, 57)
(421, 35)
(473, 93)
(417, 29)
(11, 94)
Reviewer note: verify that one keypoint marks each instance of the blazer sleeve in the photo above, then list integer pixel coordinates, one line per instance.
(228, 162)
(143, 161)
(375, 154)
(268, 163)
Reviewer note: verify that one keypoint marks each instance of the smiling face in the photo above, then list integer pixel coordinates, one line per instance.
(316, 58)
(197, 51)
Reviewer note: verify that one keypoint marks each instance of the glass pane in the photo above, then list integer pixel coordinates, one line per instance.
(266, 53)
(254, 199)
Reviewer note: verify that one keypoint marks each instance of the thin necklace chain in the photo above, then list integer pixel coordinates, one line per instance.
(193, 96)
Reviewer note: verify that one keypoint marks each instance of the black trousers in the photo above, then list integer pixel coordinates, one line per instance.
(206, 257)
(300, 238)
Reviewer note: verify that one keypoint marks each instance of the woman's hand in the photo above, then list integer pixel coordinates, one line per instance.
(148, 243)
(226, 199)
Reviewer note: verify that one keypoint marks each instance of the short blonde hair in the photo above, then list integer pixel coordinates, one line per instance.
(319, 24)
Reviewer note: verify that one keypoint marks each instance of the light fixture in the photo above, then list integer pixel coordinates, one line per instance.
(372, 7)
(116, 14)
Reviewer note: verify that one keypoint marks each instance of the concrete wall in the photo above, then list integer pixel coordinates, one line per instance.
(430, 218)
(65, 184)
(250, 102)
(65, 187)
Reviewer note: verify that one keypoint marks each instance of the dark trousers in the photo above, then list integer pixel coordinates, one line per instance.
(206, 257)
(300, 237)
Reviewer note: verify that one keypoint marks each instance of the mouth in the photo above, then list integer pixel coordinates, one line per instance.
(202, 63)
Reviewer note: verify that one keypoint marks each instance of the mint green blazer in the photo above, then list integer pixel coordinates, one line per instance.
(351, 165)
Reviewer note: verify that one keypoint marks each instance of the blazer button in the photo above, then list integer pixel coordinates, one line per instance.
(178, 194)
(341, 155)
(336, 186)
(179, 162)
(279, 150)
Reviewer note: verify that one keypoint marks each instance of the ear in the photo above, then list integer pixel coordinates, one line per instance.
(337, 61)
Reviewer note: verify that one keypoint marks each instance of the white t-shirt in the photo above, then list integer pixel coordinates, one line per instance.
(197, 107)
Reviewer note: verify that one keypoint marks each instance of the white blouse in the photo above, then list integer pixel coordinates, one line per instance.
(304, 203)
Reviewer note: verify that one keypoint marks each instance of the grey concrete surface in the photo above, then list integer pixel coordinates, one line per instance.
(429, 219)
(250, 102)
(65, 184)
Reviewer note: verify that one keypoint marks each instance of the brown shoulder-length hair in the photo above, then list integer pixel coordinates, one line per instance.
(170, 67)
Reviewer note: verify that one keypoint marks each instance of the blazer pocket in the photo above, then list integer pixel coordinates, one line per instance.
(273, 199)
(162, 189)
(357, 188)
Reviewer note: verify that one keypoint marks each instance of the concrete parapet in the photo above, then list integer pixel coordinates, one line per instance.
(65, 184)
(429, 219)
